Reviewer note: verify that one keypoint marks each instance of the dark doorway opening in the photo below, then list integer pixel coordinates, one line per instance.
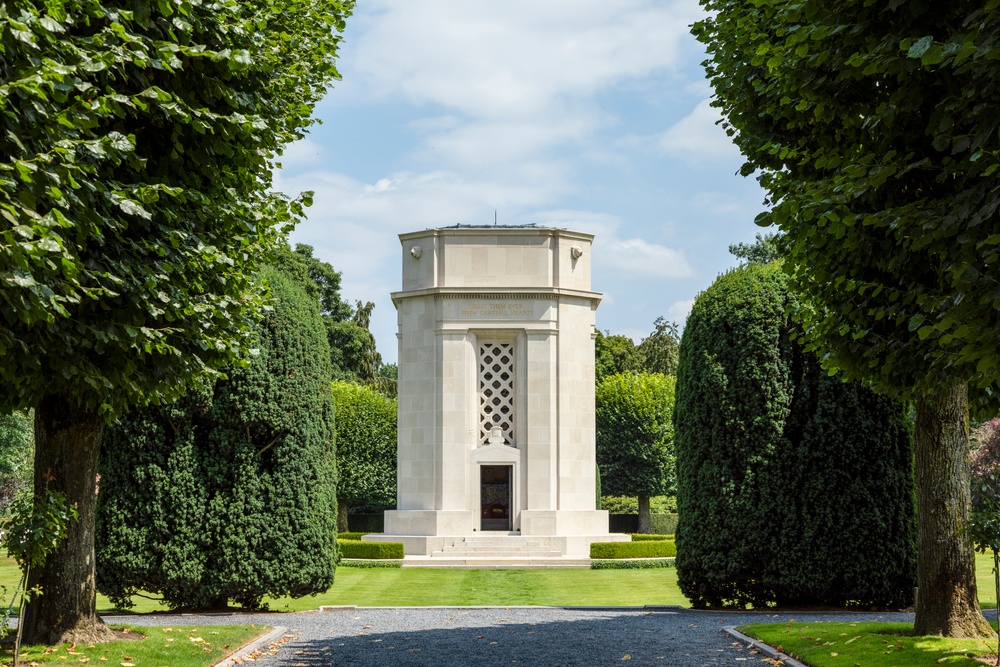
(495, 496)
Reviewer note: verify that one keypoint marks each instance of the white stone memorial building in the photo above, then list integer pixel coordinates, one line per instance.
(496, 394)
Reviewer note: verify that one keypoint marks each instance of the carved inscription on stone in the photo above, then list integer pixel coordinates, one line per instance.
(462, 309)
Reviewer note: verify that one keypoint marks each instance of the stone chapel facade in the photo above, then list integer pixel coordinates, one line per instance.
(496, 389)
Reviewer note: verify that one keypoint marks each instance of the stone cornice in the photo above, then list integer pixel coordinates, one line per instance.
(484, 293)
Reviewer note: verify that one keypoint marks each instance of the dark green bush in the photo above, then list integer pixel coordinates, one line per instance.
(372, 564)
(230, 493)
(793, 487)
(664, 524)
(632, 564)
(651, 549)
(370, 550)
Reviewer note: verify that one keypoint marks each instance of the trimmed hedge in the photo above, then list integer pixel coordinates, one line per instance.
(632, 564)
(371, 564)
(370, 550)
(354, 535)
(794, 487)
(643, 537)
(614, 550)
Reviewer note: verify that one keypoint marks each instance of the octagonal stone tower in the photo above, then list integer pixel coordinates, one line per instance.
(496, 390)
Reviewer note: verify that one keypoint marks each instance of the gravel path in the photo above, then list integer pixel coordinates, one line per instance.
(468, 637)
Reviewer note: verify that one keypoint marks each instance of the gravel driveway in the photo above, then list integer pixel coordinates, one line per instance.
(468, 637)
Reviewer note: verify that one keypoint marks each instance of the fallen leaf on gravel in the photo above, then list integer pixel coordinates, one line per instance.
(627, 656)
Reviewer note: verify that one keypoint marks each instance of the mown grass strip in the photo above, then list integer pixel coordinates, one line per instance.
(177, 646)
(868, 644)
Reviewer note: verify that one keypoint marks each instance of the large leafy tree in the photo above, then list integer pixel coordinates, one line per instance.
(366, 448)
(614, 353)
(135, 164)
(635, 445)
(872, 126)
(352, 345)
(658, 352)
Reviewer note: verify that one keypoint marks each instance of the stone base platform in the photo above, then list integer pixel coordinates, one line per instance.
(499, 546)
(491, 563)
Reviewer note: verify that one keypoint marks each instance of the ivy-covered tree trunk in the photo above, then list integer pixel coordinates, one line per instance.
(946, 566)
(67, 441)
(645, 523)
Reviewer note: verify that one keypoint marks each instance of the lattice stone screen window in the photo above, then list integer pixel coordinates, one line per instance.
(496, 391)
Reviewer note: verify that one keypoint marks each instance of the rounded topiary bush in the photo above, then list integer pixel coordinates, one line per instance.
(794, 487)
(229, 493)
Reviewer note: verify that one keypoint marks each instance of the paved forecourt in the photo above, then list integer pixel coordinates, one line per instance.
(551, 636)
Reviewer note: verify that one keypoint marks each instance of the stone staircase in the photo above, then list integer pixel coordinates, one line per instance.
(497, 551)
(498, 546)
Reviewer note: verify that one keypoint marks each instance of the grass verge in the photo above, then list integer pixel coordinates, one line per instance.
(868, 644)
(149, 647)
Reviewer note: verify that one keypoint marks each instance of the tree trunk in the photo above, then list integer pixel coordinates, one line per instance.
(342, 516)
(947, 604)
(645, 523)
(67, 441)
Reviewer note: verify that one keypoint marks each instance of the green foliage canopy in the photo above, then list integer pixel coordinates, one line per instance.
(134, 175)
(871, 129)
(635, 449)
(658, 351)
(352, 345)
(17, 445)
(366, 445)
(821, 469)
(614, 354)
(230, 492)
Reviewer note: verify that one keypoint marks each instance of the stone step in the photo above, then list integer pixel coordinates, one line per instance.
(498, 546)
(512, 553)
(487, 563)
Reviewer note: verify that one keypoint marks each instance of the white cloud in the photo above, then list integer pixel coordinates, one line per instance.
(513, 59)
(300, 154)
(679, 311)
(718, 203)
(698, 137)
(626, 255)
(648, 259)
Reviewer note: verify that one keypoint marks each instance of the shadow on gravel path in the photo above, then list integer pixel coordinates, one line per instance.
(556, 637)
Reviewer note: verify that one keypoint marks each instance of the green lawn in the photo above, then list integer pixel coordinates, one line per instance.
(556, 587)
(178, 647)
(426, 587)
(868, 644)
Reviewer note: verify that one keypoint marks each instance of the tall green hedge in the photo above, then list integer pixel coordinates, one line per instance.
(366, 447)
(230, 493)
(793, 487)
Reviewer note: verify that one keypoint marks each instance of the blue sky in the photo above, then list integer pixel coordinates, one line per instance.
(584, 114)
